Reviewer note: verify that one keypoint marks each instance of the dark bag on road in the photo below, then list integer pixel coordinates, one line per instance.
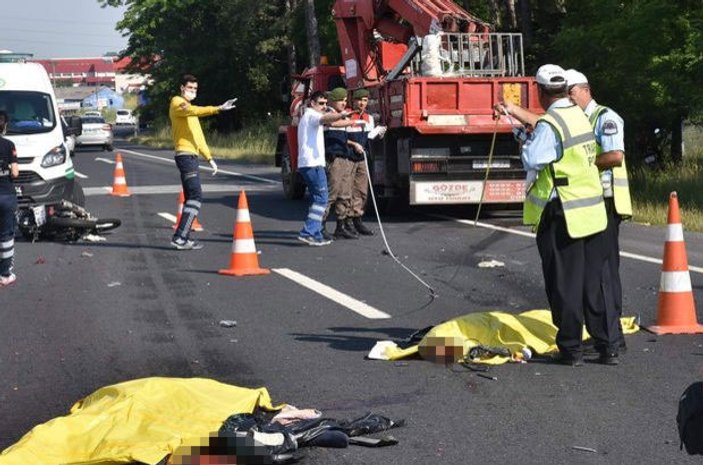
(690, 419)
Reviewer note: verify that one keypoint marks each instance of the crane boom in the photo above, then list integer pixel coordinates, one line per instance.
(361, 24)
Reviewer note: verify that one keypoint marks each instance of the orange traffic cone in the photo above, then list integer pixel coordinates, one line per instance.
(119, 185)
(676, 310)
(244, 260)
(196, 224)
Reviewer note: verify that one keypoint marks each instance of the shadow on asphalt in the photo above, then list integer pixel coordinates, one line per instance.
(353, 342)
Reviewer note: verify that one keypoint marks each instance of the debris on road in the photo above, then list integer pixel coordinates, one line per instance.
(228, 323)
(87, 254)
(93, 238)
(114, 284)
(585, 449)
(491, 264)
(40, 260)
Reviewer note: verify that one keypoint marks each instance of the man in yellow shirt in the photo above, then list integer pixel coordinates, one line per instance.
(189, 142)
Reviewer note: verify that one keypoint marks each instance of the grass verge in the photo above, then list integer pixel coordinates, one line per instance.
(651, 188)
(253, 144)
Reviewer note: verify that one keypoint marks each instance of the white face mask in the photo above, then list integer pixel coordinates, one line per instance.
(190, 94)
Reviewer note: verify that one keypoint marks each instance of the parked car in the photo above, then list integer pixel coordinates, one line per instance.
(125, 116)
(95, 132)
(69, 137)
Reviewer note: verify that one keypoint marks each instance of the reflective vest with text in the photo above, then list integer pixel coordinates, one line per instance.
(574, 176)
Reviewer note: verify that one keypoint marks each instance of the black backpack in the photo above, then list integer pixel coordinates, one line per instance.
(690, 419)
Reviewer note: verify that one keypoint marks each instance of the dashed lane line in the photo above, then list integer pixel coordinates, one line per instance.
(80, 175)
(334, 295)
(203, 167)
(105, 160)
(176, 188)
(634, 256)
(168, 216)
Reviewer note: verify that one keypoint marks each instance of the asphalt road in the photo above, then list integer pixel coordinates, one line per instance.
(86, 315)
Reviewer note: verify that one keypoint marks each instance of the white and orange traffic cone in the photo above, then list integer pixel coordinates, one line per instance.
(676, 310)
(244, 260)
(119, 184)
(196, 224)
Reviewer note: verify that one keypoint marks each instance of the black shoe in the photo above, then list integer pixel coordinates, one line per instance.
(574, 360)
(342, 233)
(349, 226)
(327, 236)
(609, 358)
(361, 227)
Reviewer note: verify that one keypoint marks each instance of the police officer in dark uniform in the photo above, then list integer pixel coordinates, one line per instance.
(8, 204)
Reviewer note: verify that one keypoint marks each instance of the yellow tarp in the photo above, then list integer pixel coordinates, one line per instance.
(533, 329)
(135, 421)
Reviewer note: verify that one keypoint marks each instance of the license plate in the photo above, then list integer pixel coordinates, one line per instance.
(18, 191)
(39, 215)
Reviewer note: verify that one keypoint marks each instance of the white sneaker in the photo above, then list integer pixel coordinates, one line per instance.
(187, 245)
(7, 280)
(314, 242)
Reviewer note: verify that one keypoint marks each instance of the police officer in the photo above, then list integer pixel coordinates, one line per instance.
(338, 152)
(564, 203)
(608, 128)
(8, 204)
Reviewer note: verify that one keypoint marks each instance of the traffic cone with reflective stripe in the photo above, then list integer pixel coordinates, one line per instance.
(119, 184)
(676, 310)
(244, 259)
(196, 224)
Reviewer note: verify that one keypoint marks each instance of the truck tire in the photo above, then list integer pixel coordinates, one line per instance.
(293, 185)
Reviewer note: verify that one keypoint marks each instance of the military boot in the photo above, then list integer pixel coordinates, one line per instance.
(349, 225)
(327, 236)
(361, 227)
(341, 232)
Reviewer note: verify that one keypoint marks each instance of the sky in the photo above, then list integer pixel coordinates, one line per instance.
(60, 28)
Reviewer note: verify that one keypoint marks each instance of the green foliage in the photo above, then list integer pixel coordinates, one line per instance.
(235, 48)
(642, 57)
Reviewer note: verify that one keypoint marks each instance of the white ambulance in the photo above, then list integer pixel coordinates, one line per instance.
(34, 125)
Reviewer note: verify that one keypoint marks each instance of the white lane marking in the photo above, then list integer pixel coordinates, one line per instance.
(332, 294)
(105, 160)
(176, 188)
(634, 256)
(206, 168)
(80, 175)
(168, 216)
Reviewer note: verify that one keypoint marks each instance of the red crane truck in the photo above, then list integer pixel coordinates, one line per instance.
(434, 72)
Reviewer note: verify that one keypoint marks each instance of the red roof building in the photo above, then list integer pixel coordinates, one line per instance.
(82, 71)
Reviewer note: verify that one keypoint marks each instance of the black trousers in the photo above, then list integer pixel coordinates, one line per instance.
(576, 280)
(612, 238)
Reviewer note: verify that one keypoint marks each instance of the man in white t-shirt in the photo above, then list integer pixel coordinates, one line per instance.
(311, 165)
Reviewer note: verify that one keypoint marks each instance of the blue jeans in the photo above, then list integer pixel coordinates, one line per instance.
(8, 206)
(190, 179)
(316, 179)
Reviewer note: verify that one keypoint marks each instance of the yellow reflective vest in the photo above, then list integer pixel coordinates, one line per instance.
(621, 185)
(574, 176)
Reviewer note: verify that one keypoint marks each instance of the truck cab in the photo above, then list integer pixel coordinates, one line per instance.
(46, 171)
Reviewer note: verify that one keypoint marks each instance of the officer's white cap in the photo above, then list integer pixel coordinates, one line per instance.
(551, 76)
(574, 77)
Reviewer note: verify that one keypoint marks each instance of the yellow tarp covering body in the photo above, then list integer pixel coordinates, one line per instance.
(533, 329)
(137, 421)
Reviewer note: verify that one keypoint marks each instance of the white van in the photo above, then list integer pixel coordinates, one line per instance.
(46, 171)
(125, 116)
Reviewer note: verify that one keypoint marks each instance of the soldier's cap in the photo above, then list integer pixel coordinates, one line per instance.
(337, 94)
(361, 93)
(551, 76)
(574, 77)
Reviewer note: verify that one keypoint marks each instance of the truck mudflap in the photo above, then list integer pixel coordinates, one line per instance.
(466, 192)
(47, 192)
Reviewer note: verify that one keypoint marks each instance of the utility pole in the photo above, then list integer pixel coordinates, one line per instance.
(312, 33)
